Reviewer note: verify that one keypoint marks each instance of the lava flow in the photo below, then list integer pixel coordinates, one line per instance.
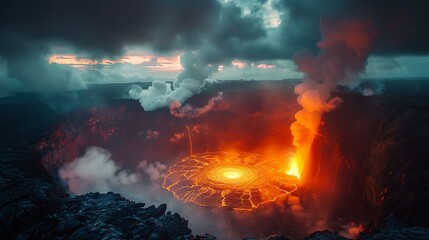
(241, 181)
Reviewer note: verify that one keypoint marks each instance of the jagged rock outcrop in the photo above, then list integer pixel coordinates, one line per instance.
(390, 229)
(376, 162)
(33, 209)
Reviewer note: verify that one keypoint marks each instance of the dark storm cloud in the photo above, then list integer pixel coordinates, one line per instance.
(106, 26)
(26, 62)
(233, 34)
(216, 32)
(103, 28)
(401, 25)
(401, 28)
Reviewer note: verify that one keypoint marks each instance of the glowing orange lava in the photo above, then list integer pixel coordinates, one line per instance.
(293, 168)
(241, 181)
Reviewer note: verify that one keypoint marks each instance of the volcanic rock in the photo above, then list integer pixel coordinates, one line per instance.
(325, 235)
(33, 209)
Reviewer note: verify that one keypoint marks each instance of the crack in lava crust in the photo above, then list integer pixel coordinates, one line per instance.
(241, 181)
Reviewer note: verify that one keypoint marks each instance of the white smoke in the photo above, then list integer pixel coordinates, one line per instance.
(371, 88)
(189, 111)
(188, 83)
(96, 171)
(155, 171)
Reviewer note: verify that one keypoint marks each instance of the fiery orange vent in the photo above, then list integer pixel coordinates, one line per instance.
(241, 181)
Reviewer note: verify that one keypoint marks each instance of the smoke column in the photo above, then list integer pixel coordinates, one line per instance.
(345, 47)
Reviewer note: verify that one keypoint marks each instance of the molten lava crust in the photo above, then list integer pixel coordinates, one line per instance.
(241, 181)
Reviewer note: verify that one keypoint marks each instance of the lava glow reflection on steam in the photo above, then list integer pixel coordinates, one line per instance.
(241, 181)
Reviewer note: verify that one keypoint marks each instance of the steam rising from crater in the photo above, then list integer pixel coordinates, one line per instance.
(96, 171)
(345, 47)
(188, 83)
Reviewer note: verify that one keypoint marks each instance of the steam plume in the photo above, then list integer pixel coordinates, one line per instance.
(188, 83)
(345, 47)
(189, 111)
(96, 171)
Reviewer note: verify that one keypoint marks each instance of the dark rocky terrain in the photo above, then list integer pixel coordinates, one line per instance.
(31, 208)
(34, 209)
(380, 157)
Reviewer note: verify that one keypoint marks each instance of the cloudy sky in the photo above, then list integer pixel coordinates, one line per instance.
(61, 45)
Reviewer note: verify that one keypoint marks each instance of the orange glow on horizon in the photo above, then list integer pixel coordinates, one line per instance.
(238, 64)
(70, 60)
(150, 62)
